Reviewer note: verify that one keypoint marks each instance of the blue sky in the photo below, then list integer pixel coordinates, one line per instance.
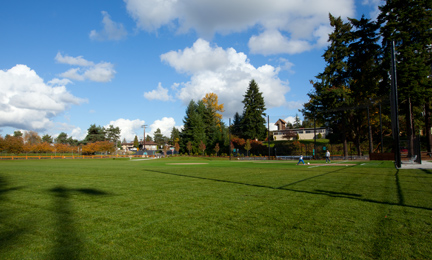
(68, 64)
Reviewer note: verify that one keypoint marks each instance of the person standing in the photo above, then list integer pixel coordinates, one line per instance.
(327, 156)
(301, 160)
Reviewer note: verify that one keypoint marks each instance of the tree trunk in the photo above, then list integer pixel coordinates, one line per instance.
(357, 144)
(344, 139)
(370, 132)
(428, 126)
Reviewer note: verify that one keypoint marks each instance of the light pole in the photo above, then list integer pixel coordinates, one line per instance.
(144, 149)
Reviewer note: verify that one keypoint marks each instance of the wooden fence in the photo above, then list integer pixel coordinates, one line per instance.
(41, 157)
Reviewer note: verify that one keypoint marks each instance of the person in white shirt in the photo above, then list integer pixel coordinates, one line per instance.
(301, 160)
(327, 156)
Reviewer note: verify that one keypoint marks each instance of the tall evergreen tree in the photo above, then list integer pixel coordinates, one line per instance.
(61, 138)
(112, 133)
(408, 24)
(136, 142)
(202, 124)
(159, 138)
(47, 139)
(364, 76)
(297, 122)
(331, 91)
(193, 126)
(236, 126)
(175, 135)
(95, 134)
(253, 118)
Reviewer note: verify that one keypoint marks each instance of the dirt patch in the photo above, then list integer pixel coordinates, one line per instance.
(185, 163)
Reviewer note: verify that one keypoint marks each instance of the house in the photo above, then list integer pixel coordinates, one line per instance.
(149, 145)
(281, 124)
(303, 133)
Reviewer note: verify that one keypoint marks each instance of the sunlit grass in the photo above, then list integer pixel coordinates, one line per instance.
(160, 209)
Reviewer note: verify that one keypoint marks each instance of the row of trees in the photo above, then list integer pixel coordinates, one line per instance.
(203, 126)
(98, 139)
(204, 131)
(355, 84)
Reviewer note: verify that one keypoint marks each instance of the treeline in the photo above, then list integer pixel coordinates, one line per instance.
(98, 139)
(351, 95)
(204, 132)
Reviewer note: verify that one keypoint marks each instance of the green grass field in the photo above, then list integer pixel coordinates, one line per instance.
(218, 209)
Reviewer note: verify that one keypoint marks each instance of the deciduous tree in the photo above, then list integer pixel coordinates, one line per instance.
(211, 102)
(217, 148)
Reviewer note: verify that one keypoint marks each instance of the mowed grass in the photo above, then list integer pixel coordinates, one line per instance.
(170, 209)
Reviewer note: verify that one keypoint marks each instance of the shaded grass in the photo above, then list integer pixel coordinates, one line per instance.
(123, 209)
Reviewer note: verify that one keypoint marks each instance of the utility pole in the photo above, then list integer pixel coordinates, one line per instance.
(268, 137)
(144, 149)
(394, 108)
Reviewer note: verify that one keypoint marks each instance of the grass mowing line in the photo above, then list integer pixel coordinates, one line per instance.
(185, 163)
(313, 177)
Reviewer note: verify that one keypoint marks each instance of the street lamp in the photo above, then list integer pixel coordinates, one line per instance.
(144, 147)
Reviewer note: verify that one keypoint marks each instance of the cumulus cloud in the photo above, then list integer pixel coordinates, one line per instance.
(301, 22)
(78, 134)
(59, 82)
(88, 70)
(160, 93)
(374, 4)
(273, 42)
(226, 73)
(112, 31)
(27, 102)
(80, 61)
(165, 124)
(129, 128)
(295, 105)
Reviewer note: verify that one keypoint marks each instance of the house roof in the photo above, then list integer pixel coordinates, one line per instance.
(281, 120)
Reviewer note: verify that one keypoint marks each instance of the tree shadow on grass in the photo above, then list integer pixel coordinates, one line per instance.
(427, 171)
(9, 233)
(68, 241)
(333, 194)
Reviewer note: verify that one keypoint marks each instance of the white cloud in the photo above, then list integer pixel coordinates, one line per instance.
(374, 4)
(273, 42)
(227, 75)
(72, 74)
(129, 128)
(300, 21)
(59, 82)
(80, 61)
(78, 134)
(88, 70)
(165, 124)
(160, 93)
(27, 102)
(101, 72)
(111, 31)
(295, 104)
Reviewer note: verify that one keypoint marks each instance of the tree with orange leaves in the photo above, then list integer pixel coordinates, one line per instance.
(211, 102)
